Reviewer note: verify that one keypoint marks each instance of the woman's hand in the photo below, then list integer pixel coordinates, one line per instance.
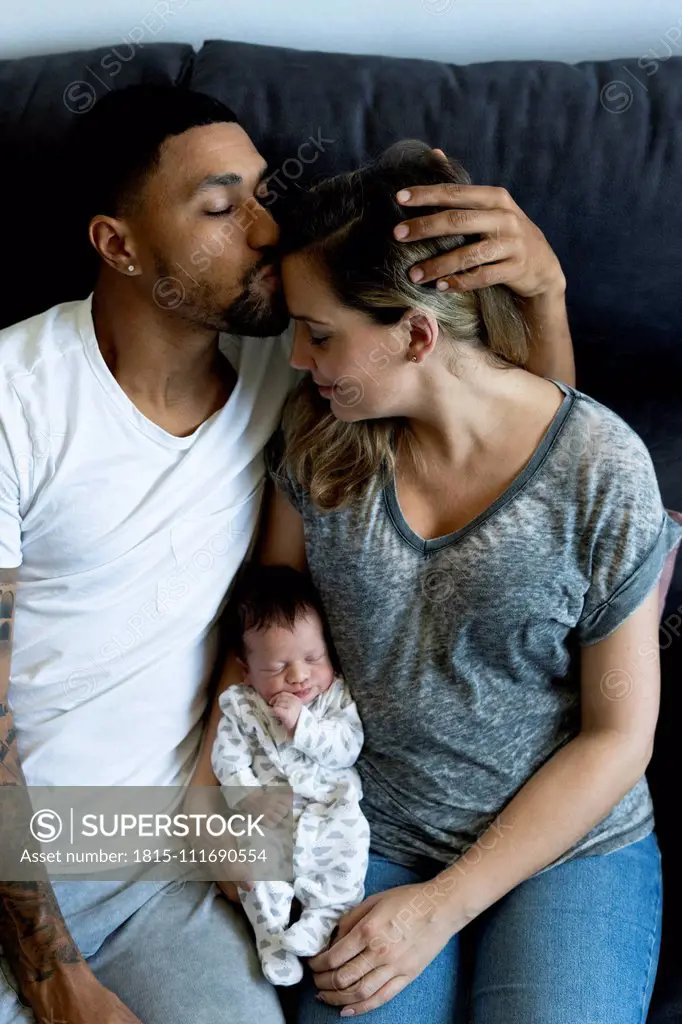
(512, 250)
(383, 944)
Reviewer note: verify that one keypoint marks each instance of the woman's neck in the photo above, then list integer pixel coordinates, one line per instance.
(454, 417)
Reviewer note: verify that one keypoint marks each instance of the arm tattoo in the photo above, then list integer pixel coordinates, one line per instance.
(33, 933)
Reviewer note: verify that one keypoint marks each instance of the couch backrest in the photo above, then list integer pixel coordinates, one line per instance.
(592, 152)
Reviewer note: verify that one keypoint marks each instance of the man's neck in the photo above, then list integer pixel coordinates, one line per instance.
(170, 369)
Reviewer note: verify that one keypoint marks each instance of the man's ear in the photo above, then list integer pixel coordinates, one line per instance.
(112, 240)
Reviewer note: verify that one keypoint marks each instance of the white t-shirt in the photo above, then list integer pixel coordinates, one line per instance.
(127, 538)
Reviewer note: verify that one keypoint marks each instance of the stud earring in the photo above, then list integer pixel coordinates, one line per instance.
(414, 359)
(131, 267)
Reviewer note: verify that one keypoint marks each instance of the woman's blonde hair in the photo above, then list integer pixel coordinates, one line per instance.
(346, 224)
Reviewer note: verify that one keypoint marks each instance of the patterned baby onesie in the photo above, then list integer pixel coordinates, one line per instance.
(331, 834)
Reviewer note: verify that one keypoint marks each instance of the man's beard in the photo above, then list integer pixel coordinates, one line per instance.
(254, 312)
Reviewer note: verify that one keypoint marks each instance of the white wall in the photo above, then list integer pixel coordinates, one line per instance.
(460, 31)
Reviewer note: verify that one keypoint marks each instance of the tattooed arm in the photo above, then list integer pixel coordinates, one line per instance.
(53, 978)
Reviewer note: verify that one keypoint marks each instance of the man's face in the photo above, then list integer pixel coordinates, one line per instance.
(205, 238)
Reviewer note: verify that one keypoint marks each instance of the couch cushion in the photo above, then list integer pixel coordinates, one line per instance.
(39, 99)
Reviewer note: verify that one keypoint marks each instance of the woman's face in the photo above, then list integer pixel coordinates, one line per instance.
(362, 368)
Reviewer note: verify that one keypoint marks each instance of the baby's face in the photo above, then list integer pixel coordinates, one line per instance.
(281, 660)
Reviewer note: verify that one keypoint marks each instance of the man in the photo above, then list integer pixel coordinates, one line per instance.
(131, 433)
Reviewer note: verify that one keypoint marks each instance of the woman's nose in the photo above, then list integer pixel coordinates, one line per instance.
(301, 356)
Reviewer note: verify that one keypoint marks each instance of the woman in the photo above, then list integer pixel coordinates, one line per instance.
(487, 544)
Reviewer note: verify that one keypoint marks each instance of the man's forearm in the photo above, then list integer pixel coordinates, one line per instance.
(33, 934)
(551, 347)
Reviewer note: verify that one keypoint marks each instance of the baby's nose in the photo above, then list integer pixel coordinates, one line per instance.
(297, 675)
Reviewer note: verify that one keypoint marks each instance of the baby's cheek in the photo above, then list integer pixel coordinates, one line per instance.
(325, 678)
(268, 688)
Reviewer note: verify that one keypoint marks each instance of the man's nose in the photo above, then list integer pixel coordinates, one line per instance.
(264, 231)
(301, 355)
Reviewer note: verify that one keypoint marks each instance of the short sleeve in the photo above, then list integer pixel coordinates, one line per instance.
(279, 473)
(10, 517)
(630, 537)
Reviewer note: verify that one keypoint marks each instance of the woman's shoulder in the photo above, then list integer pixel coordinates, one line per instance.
(601, 442)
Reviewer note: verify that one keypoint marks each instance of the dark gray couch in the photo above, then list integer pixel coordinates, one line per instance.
(592, 152)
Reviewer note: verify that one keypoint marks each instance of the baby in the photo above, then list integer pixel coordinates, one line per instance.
(295, 723)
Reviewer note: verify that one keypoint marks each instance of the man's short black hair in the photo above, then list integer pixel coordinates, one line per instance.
(275, 595)
(117, 143)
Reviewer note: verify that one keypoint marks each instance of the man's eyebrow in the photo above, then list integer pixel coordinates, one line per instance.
(226, 180)
(219, 181)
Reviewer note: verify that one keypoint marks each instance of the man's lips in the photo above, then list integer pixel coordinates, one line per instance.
(270, 276)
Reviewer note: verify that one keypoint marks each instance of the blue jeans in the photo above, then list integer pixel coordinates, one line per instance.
(577, 944)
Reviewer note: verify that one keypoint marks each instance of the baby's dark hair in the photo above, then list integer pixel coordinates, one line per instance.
(275, 595)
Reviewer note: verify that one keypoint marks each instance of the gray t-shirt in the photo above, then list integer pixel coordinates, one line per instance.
(458, 650)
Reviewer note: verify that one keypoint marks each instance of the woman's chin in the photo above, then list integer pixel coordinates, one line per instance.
(351, 413)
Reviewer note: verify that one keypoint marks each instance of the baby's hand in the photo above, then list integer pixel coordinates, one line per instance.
(275, 807)
(287, 709)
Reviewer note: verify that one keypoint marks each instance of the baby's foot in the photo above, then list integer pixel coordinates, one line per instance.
(280, 966)
(309, 935)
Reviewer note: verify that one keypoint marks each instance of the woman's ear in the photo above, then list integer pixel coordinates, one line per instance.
(423, 330)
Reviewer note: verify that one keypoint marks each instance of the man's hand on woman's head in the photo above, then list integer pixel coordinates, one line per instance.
(511, 250)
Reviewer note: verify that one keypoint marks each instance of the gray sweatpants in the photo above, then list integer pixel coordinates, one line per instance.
(174, 953)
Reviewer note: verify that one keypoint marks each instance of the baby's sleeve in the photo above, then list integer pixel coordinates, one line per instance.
(336, 739)
(234, 747)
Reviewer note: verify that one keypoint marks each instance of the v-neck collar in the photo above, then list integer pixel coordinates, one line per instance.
(529, 470)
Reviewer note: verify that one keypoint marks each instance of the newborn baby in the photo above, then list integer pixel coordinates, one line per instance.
(295, 723)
